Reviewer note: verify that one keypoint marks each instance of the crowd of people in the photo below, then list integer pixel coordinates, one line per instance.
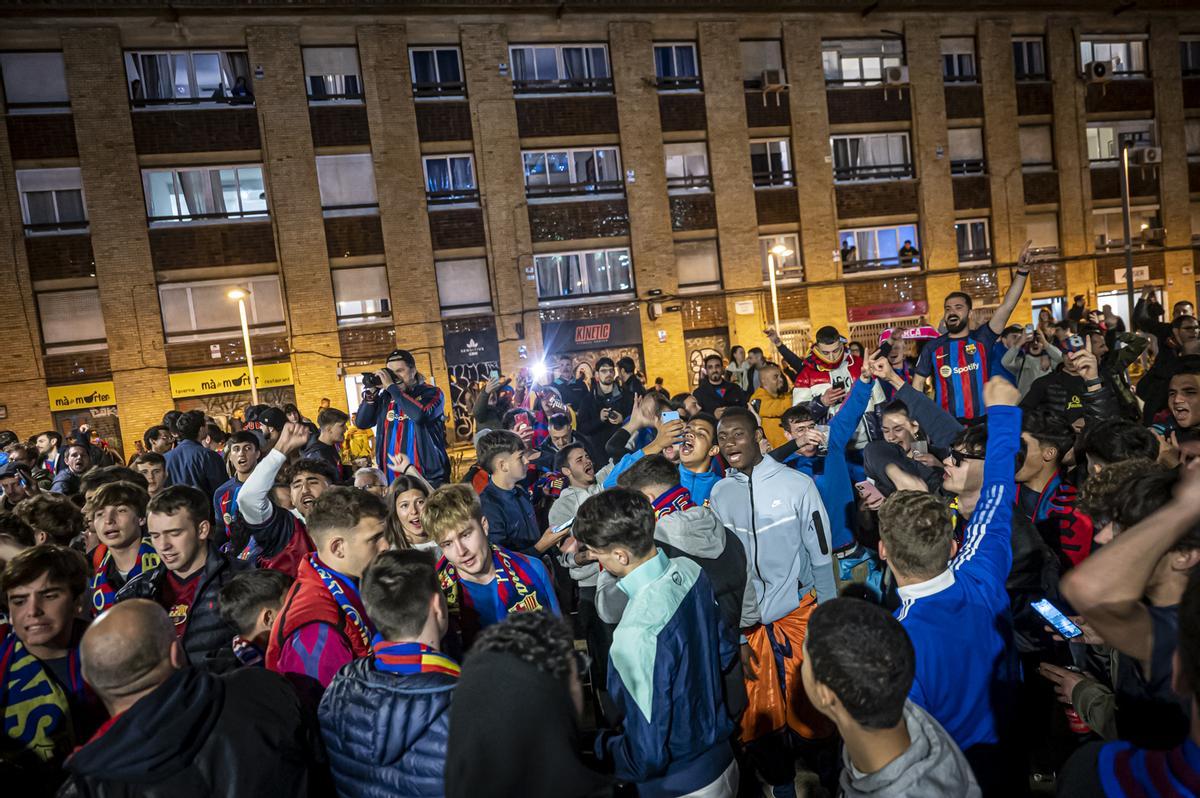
(957, 561)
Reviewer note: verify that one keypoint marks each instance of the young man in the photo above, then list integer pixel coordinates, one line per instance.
(778, 516)
(1045, 495)
(158, 439)
(327, 445)
(958, 617)
(770, 401)
(576, 466)
(190, 576)
(46, 706)
(241, 457)
(483, 582)
(603, 408)
(48, 444)
(27, 456)
(189, 463)
(53, 517)
(117, 512)
(76, 459)
(696, 448)
(249, 603)
(409, 417)
(16, 485)
(627, 374)
(715, 390)
(323, 624)
(153, 467)
(1183, 395)
(512, 523)
(959, 360)
(561, 435)
(858, 670)
(666, 660)
(404, 684)
(1023, 359)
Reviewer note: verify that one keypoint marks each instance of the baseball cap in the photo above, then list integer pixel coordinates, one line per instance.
(272, 417)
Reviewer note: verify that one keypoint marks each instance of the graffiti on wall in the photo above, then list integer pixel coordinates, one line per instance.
(701, 347)
(466, 381)
(224, 406)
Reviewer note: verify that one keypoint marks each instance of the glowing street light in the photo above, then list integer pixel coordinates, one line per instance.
(775, 260)
(239, 295)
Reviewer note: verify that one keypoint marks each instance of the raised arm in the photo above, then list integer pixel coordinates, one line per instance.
(1013, 295)
(939, 426)
(789, 357)
(254, 499)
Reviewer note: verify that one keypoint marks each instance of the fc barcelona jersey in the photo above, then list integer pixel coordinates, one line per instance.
(958, 369)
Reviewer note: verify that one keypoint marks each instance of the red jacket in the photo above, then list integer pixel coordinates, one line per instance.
(309, 601)
(817, 376)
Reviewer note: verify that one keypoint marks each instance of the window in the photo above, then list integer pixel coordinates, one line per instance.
(966, 151)
(463, 286)
(331, 73)
(874, 248)
(1109, 226)
(560, 67)
(1106, 139)
(71, 321)
(436, 72)
(875, 156)
(698, 265)
(1037, 148)
(859, 62)
(34, 81)
(347, 183)
(203, 310)
(188, 76)
(1029, 58)
(450, 179)
(958, 60)
(1128, 55)
(51, 199)
(762, 63)
(676, 67)
(361, 296)
(771, 162)
(783, 251)
(208, 192)
(973, 243)
(573, 171)
(1042, 230)
(1191, 134)
(1189, 55)
(687, 167)
(571, 274)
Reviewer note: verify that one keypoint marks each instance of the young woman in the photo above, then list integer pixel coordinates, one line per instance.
(405, 499)
(739, 368)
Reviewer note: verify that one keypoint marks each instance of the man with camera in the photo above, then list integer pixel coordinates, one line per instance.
(409, 416)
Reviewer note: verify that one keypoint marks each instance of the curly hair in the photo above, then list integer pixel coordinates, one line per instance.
(53, 514)
(1103, 492)
(918, 530)
(540, 639)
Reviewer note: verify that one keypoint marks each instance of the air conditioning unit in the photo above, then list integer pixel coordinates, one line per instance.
(772, 80)
(895, 75)
(1099, 71)
(1145, 156)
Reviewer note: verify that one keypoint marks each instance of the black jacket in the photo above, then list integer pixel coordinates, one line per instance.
(242, 734)
(727, 394)
(208, 640)
(1068, 394)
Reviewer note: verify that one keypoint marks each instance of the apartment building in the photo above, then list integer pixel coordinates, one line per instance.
(486, 186)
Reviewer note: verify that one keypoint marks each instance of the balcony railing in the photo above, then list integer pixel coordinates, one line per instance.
(972, 166)
(443, 89)
(200, 217)
(569, 189)
(452, 196)
(1032, 77)
(351, 210)
(57, 227)
(855, 83)
(960, 78)
(55, 105)
(678, 83)
(214, 99)
(887, 171)
(880, 264)
(353, 96)
(572, 85)
(690, 183)
(775, 178)
(975, 255)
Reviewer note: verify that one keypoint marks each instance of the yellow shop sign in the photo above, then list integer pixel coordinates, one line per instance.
(231, 380)
(86, 394)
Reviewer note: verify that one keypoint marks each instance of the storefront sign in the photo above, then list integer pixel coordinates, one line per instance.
(231, 380)
(476, 346)
(895, 310)
(583, 334)
(87, 394)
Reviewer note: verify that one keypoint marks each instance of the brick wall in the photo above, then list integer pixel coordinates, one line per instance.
(367, 343)
(456, 228)
(971, 192)
(682, 112)
(569, 221)
(1048, 277)
(768, 110)
(189, 247)
(1106, 182)
(777, 205)
(1191, 92)
(1107, 266)
(793, 303)
(983, 286)
(1040, 187)
(858, 200)
(350, 236)
(230, 351)
(339, 125)
(887, 291)
(964, 102)
(77, 367)
(60, 257)
(704, 313)
(1034, 99)
(567, 116)
(444, 121)
(693, 212)
(197, 130)
(1120, 95)
(38, 136)
(869, 104)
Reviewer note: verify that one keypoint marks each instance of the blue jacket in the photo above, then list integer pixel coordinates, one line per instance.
(386, 733)
(189, 463)
(699, 485)
(412, 423)
(835, 484)
(511, 520)
(664, 672)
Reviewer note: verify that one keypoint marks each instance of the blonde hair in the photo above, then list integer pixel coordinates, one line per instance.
(450, 508)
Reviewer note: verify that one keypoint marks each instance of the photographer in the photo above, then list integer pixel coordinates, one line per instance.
(1032, 358)
(1076, 388)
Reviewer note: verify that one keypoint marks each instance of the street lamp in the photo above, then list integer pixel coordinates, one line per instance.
(776, 255)
(239, 295)
(1125, 218)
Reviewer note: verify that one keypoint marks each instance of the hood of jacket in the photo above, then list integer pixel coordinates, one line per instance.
(696, 531)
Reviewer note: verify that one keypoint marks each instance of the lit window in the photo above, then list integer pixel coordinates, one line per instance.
(347, 184)
(958, 60)
(676, 67)
(450, 179)
(203, 310)
(783, 252)
(210, 192)
(51, 200)
(687, 167)
(188, 77)
(71, 321)
(360, 296)
(560, 68)
(966, 151)
(771, 162)
(762, 63)
(571, 274)
(331, 73)
(860, 62)
(572, 171)
(875, 156)
(1105, 140)
(436, 71)
(463, 286)
(1042, 230)
(973, 243)
(878, 248)
(698, 265)
(1127, 54)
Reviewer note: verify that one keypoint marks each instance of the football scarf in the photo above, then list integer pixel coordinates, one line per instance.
(345, 593)
(512, 586)
(36, 711)
(411, 658)
(103, 593)
(675, 500)
(248, 654)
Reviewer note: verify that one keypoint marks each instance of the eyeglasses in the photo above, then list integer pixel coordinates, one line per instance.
(958, 457)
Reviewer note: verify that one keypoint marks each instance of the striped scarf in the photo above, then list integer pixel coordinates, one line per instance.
(104, 595)
(512, 586)
(36, 711)
(411, 658)
(1128, 771)
(345, 593)
(675, 500)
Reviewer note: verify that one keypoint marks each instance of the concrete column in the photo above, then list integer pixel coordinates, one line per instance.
(814, 172)
(1173, 173)
(117, 217)
(939, 250)
(651, 243)
(733, 184)
(502, 185)
(294, 199)
(400, 185)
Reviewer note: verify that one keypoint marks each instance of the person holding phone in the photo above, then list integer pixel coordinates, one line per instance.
(1077, 388)
(1030, 357)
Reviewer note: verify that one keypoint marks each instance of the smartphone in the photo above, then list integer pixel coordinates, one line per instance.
(868, 491)
(823, 429)
(841, 382)
(564, 525)
(921, 447)
(1074, 344)
(1029, 329)
(670, 415)
(1061, 623)
(493, 374)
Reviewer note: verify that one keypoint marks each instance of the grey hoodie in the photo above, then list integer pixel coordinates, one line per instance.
(932, 767)
(564, 509)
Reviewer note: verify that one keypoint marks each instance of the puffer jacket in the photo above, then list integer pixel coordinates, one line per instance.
(386, 733)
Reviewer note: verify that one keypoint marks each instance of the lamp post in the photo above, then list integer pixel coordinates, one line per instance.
(1125, 218)
(776, 256)
(240, 295)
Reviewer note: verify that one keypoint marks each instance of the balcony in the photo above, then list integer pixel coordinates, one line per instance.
(461, 196)
(539, 117)
(569, 86)
(207, 217)
(863, 200)
(770, 109)
(457, 228)
(971, 193)
(575, 221)
(1126, 94)
(778, 177)
(860, 105)
(443, 89)
(587, 188)
(691, 83)
(339, 125)
(777, 205)
(1106, 180)
(682, 112)
(869, 265)
(1041, 188)
(1035, 99)
(168, 130)
(444, 121)
(268, 341)
(198, 246)
(862, 173)
(34, 136)
(72, 367)
(964, 101)
(693, 212)
(58, 257)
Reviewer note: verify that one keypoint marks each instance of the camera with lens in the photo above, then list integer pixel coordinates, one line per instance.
(370, 379)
